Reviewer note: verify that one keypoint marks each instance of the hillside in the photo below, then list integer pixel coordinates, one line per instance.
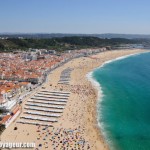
(56, 35)
(64, 43)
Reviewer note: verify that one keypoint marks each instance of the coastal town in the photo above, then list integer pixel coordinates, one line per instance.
(22, 72)
(74, 75)
(47, 98)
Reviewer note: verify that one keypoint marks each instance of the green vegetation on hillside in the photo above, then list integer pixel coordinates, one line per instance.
(64, 43)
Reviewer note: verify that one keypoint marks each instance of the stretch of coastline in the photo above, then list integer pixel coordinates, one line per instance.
(79, 113)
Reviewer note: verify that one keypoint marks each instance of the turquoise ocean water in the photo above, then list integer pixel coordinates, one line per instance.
(124, 108)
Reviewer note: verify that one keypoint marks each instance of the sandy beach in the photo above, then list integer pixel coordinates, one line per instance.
(77, 128)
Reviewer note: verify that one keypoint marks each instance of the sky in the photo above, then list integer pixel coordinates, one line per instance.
(75, 16)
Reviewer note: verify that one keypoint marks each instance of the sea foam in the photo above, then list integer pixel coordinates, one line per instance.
(98, 87)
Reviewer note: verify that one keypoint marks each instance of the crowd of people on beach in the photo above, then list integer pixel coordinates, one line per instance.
(61, 139)
(78, 89)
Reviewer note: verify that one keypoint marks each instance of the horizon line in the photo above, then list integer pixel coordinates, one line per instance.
(72, 33)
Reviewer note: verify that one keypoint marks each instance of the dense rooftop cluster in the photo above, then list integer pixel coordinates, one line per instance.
(21, 72)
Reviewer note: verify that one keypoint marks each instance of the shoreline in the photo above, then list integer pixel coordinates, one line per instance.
(97, 87)
(80, 109)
